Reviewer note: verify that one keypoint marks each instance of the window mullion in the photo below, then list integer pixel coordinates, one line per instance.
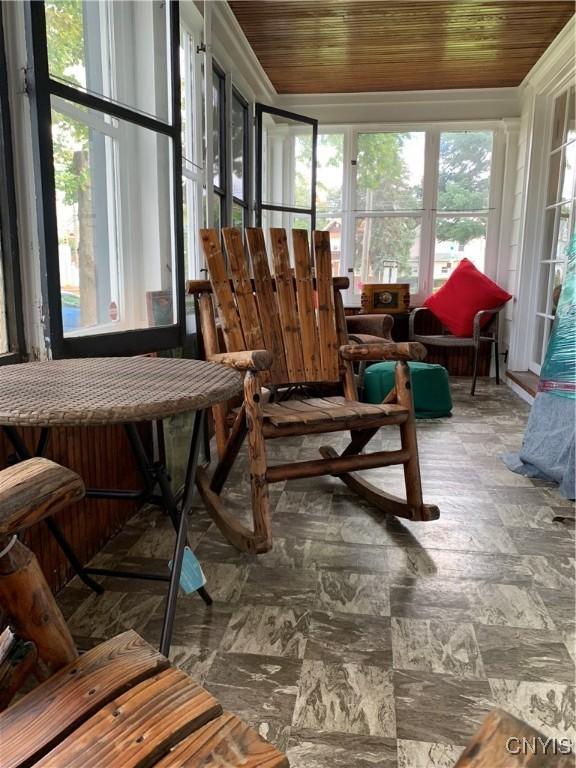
(429, 202)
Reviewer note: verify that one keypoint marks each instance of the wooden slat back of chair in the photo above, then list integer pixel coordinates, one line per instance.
(290, 313)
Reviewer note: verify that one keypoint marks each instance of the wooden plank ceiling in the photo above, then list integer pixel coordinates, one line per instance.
(353, 46)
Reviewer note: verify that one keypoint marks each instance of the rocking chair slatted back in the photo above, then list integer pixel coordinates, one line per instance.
(269, 317)
(292, 314)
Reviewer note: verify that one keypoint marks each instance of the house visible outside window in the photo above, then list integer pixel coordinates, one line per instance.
(405, 206)
(112, 152)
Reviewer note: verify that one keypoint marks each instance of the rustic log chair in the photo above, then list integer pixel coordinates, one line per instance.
(289, 332)
(121, 704)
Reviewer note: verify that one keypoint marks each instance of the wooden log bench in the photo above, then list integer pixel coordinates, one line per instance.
(121, 704)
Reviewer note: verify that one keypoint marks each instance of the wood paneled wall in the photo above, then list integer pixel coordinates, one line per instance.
(102, 456)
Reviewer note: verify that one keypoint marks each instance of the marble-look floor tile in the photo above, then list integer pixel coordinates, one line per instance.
(363, 639)
(317, 503)
(407, 564)
(553, 572)
(352, 592)
(349, 557)
(525, 654)
(225, 581)
(71, 598)
(547, 707)
(561, 606)
(543, 542)
(443, 600)
(195, 625)
(469, 537)
(106, 615)
(437, 646)
(439, 709)
(280, 586)
(510, 605)
(307, 749)
(159, 542)
(267, 630)
(422, 754)
(347, 698)
(260, 689)
(527, 516)
(196, 662)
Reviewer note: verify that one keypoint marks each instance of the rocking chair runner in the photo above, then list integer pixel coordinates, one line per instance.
(289, 331)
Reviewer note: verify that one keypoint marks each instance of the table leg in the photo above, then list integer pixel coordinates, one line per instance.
(178, 516)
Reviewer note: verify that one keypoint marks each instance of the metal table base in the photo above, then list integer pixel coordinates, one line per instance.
(157, 489)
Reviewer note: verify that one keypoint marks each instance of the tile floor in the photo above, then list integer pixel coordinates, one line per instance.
(360, 641)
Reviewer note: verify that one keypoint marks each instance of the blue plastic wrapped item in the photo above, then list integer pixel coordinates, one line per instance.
(558, 374)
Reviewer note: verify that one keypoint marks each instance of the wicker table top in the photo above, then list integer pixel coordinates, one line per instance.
(106, 390)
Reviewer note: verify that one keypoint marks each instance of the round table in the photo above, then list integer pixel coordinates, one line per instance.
(119, 390)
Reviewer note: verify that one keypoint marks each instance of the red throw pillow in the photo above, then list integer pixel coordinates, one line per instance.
(466, 292)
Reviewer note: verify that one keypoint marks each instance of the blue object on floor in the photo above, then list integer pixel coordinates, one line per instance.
(430, 387)
(192, 576)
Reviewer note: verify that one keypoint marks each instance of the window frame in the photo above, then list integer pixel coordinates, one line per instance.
(428, 214)
(221, 192)
(246, 168)
(42, 87)
(8, 225)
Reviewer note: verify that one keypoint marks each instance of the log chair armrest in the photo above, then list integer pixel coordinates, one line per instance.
(249, 360)
(404, 350)
(370, 325)
(412, 321)
(33, 490)
(478, 317)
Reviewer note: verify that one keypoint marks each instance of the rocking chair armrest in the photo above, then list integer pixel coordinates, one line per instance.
(404, 350)
(248, 360)
(34, 489)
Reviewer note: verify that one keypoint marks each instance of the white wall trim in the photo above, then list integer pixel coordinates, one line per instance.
(556, 60)
(518, 390)
(469, 104)
(233, 52)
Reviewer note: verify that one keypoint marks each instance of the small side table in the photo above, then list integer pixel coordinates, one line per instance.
(102, 391)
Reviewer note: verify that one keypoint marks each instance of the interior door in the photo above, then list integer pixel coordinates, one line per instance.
(285, 169)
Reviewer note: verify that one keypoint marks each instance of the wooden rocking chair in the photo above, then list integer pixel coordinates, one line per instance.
(288, 333)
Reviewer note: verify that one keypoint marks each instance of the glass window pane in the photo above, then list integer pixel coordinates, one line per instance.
(329, 172)
(464, 170)
(115, 50)
(115, 245)
(239, 124)
(458, 237)
(563, 232)
(4, 343)
(553, 177)
(334, 226)
(238, 216)
(537, 348)
(390, 171)
(286, 162)
(218, 176)
(571, 116)
(558, 124)
(217, 211)
(546, 271)
(569, 163)
(387, 251)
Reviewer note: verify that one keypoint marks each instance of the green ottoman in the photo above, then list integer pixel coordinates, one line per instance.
(430, 387)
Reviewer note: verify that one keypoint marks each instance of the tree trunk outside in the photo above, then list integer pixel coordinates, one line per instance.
(86, 260)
